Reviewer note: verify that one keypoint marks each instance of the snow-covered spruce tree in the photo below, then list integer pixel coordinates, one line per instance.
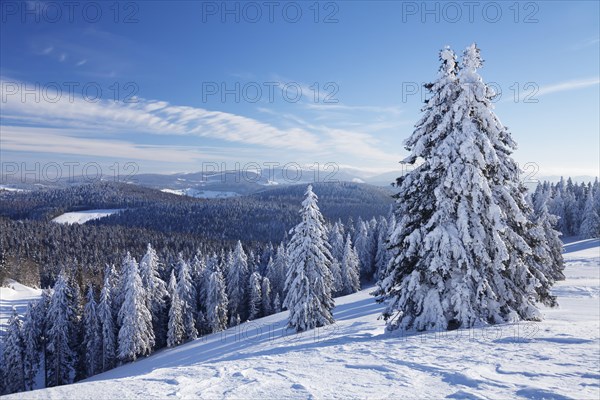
(187, 294)
(216, 301)
(33, 327)
(551, 243)
(198, 271)
(107, 325)
(156, 293)
(267, 304)
(277, 270)
(60, 362)
(382, 253)
(92, 335)
(542, 269)
(350, 269)
(255, 296)
(365, 247)
(590, 225)
(14, 350)
(237, 276)
(462, 248)
(336, 239)
(135, 336)
(336, 276)
(276, 304)
(175, 329)
(308, 284)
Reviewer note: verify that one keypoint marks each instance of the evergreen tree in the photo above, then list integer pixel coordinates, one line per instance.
(175, 330)
(336, 277)
(156, 293)
(462, 244)
(267, 306)
(364, 247)
(4, 270)
(33, 328)
(135, 336)
(277, 304)
(199, 274)
(14, 364)
(549, 238)
(382, 255)
(336, 239)
(216, 302)
(187, 296)
(237, 275)
(590, 225)
(107, 325)
(60, 355)
(309, 281)
(92, 335)
(277, 270)
(350, 269)
(255, 297)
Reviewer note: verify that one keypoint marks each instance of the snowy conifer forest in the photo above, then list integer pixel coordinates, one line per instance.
(458, 274)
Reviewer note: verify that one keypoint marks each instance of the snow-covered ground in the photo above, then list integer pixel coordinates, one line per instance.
(15, 294)
(558, 358)
(10, 189)
(81, 217)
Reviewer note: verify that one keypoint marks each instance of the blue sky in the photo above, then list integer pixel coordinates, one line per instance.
(365, 58)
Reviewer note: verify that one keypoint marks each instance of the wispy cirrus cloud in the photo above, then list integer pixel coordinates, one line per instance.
(106, 120)
(69, 142)
(568, 85)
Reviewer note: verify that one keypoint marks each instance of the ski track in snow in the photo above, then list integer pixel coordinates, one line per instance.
(558, 358)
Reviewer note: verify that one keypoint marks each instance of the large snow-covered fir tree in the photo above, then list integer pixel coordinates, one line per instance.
(350, 270)
(545, 224)
(92, 335)
(277, 270)
(14, 352)
(61, 358)
(237, 278)
(135, 336)
(175, 329)
(590, 225)
(107, 324)
(156, 293)
(34, 325)
(187, 295)
(216, 301)
(255, 296)
(463, 251)
(309, 282)
(267, 304)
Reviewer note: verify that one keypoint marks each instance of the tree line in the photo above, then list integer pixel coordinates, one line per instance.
(81, 327)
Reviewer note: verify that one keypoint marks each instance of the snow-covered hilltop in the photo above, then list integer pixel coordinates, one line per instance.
(556, 358)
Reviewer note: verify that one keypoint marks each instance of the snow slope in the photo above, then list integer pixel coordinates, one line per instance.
(558, 358)
(81, 217)
(15, 294)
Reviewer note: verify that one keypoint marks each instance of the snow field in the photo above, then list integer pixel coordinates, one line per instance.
(557, 358)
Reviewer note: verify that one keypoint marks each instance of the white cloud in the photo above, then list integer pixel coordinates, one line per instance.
(67, 142)
(568, 85)
(105, 118)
